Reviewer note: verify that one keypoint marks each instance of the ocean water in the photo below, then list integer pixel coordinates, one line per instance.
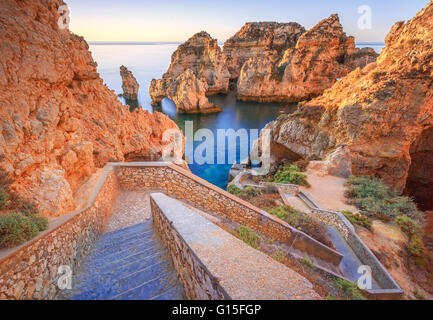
(151, 60)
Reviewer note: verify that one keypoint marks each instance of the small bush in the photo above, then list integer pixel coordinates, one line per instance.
(233, 189)
(308, 262)
(416, 246)
(279, 255)
(358, 219)
(303, 222)
(249, 192)
(4, 197)
(249, 237)
(16, 229)
(408, 225)
(291, 174)
(349, 289)
(375, 199)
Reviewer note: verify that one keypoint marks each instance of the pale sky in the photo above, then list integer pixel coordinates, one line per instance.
(169, 20)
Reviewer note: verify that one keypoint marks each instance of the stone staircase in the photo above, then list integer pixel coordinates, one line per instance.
(129, 264)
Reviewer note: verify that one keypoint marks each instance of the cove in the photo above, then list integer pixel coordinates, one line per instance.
(235, 115)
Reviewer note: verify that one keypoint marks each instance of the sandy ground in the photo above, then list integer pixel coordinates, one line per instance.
(328, 191)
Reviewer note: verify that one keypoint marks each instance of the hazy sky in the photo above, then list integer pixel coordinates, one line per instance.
(170, 20)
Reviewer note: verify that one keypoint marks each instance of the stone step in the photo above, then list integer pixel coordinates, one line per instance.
(101, 246)
(121, 234)
(126, 264)
(151, 289)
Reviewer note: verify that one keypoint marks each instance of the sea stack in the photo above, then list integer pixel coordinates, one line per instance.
(130, 85)
(197, 69)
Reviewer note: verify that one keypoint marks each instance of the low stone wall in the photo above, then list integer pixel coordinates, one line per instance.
(389, 288)
(31, 270)
(285, 188)
(183, 185)
(336, 219)
(198, 282)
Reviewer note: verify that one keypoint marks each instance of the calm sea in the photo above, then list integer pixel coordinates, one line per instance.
(151, 60)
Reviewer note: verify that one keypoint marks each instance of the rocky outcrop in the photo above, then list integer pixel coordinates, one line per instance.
(257, 40)
(197, 69)
(130, 85)
(304, 66)
(383, 112)
(186, 91)
(58, 122)
(202, 55)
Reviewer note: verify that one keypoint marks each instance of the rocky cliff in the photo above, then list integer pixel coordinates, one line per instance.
(197, 68)
(130, 85)
(382, 113)
(58, 122)
(257, 40)
(301, 67)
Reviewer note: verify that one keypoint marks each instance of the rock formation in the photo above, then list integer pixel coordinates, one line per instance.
(58, 121)
(383, 113)
(130, 85)
(258, 39)
(197, 69)
(299, 68)
(186, 91)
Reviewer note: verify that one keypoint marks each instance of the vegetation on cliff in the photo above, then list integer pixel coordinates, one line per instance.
(19, 220)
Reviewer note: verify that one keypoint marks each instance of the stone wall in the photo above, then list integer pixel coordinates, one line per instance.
(31, 270)
(198, 282)
(285, 188)
(389, 289)
(181, 184)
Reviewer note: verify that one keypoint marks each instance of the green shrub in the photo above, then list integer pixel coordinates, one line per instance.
(16, 229)
(291, 174)
(416, 246)
(249, 237)
(233, 189)
(249, 192)
(357, 219)
(303, 222)
(4, 197)
(308, 262)
(408, 225)
(349, 289)
(375, 199)
(279, 255)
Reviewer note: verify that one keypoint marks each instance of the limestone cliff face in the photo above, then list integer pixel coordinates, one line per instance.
(383, 113)
(257, 40)
(197, 69)
(305, 68)
(58, 122)
(202, 55)
(130, 85)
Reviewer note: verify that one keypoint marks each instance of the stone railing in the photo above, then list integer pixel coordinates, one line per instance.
(212, 264)
(183, 185)
(198, 282)
(31, 270)
(389, 289)
(284, 188)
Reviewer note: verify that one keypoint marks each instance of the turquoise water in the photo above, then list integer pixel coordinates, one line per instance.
(151, 60)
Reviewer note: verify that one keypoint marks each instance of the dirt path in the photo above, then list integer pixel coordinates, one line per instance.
(328, 191)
